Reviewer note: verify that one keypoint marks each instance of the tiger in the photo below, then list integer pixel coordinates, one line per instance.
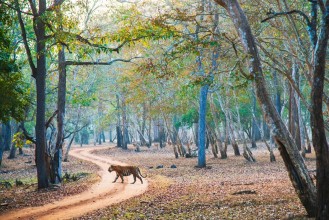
(122, 171)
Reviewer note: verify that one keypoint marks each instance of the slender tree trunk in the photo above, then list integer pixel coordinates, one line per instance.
(110, 135)
(269, 146)
(12, 153)
(293, 109)
(254, 129)
(149, 132)
(217, 132)
(57, 163)
(118, 127)
(309, 146)
(277, 93)
(66, 156)
(317, 123)
(7, 134)
(231, 133)
(171, 136)
(196, 133)
(2, 146)
(229, 129)
(41, 102)
(202, 126)
(301, 128)
(212, 140)
(124, 124)
(143, 125)
(247, 154)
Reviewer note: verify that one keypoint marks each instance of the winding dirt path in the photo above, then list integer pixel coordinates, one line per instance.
(100, 195)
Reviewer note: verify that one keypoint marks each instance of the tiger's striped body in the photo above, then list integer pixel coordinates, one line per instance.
(122, 171)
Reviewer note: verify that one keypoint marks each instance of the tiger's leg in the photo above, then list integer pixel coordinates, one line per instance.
(121, 176)
(134, 178)
(140, 179)
(116, 178)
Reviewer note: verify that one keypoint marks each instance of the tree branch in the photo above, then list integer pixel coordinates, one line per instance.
(26, 134)
(27, 48)
(78, 63)
(116, 49)
(14, 8)
(34, 9)
(75, 131)
(56, 3)
(276, 14)
(51, 118)
(322, 6)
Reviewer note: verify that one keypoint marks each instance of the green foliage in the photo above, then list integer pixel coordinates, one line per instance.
(134, 26)
(18, 140)
(13, 93)
(188, 118)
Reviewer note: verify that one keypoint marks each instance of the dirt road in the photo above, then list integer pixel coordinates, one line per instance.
(100, 195)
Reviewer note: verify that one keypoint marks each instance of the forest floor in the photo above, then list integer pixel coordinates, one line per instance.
(227, 189)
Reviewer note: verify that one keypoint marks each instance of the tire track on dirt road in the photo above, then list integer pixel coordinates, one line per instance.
(100, 195)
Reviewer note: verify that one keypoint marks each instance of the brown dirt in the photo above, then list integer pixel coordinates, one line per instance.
(100, 195)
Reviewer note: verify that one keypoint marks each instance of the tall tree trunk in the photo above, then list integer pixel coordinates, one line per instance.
(7, 135)
(301, 128)
(309, 147)
(254, 128)
(317, 123)
(202, 126)
(217, 132)
(196, 133)
(143, 127)
(277, 93)
(293, 109)
(2, 146)
(269, 146)
(42, 173)
(297, 170)
(66, 156)
(110, 134)
(156, 127)
(231, 133)
(61, 98)
(149, 132)
(118, 127)
(125, 137)
(247, 154)
(229, 129)
(171, 135)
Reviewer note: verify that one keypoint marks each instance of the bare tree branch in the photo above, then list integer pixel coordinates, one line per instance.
(276, 14)
(51, 118)
(14, 8)
(78, 63)
(24, 36)
(26, 134)
(75, 131)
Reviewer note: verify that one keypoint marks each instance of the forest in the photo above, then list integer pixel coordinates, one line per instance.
(223, 105)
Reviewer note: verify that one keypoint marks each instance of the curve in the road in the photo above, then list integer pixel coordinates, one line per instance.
(100, 195)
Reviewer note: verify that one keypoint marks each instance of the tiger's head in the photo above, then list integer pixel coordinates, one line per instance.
(111, 169)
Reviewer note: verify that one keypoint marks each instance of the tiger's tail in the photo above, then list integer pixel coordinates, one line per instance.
(139, 171)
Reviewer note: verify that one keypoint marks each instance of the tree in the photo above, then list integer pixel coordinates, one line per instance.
(289, 152)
